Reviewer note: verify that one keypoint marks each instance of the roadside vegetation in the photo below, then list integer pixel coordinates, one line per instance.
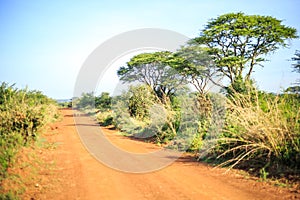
(236, 126)
(23, 114)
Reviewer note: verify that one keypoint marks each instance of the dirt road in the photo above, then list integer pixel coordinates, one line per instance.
(78, 175)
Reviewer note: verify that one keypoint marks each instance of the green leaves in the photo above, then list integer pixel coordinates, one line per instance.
(154, 70)
(240, 41)
(158, 58)
(22, 114)
(140, 101)
(103, 102)
(196, 64)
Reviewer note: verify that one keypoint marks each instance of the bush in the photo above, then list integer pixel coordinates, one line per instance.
(122, 118)
(22, 114)
(201, 118)
(103, 102)
(105, 118)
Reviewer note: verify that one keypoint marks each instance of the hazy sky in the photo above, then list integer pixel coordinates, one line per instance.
(44, 43)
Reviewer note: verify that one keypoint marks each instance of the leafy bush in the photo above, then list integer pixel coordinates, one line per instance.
(240, 86)
(201, 117)
(103, 102)
(22, 114)
(141, 98)
(125, 117)
(140, 112)
(105, 118)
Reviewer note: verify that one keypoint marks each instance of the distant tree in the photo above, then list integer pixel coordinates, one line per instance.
(153, 69)
(296, 68)
(86, 101)
(293, 89)
(296, 65)
(239, 42)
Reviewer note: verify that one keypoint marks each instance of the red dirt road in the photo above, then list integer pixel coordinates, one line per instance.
(78, 175)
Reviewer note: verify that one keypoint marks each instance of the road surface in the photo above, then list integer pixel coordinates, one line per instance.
(77, 174)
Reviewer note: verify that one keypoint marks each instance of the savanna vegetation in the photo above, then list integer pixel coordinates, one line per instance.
(23, 114)
(237, 126)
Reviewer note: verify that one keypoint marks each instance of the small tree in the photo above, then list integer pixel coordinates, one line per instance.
(103, 102)
(140, 101)
(296, 65)
(86, 101)
(296, 68)
(239, 42)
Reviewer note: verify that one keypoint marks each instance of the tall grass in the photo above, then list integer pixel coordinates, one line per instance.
(261, 131)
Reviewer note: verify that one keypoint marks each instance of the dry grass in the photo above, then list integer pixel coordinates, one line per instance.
(260, 131)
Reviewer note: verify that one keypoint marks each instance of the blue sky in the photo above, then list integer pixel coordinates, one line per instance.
(44, 43)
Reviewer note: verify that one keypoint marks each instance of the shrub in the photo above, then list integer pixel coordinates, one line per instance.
(103, 102)
(122, 119)
(105, 118)
(22, 114)
(141, 98)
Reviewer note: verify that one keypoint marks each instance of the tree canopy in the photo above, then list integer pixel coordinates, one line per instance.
(196, 65)
(239, 42)
(153, 70)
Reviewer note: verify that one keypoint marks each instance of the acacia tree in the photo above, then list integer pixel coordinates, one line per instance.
(196, 65)
(153, 70)
(156, 74)
(239, 42)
